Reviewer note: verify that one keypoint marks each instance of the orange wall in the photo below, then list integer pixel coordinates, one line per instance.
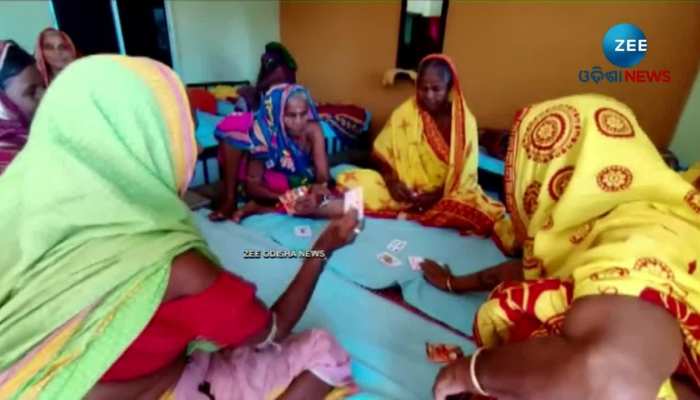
(508, 55)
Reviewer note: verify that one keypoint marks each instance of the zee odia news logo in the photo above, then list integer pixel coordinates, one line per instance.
(625, 46)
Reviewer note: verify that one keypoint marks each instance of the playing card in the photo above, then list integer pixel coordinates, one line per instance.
(354, 199)
(388, 259)
(302, 231)
(442, 353)
(396, 245)
(415, 262)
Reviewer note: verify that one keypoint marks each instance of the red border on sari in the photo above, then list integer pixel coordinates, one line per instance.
(459, 144)
(449, 213)
(509, 178)
(434, 137)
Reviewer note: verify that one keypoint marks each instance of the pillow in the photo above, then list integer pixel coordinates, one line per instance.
(224, 92)
(225, 107)
(206, 126)
(201, 99)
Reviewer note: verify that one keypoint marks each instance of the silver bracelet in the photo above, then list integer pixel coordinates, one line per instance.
(270, 339)
(472, 373)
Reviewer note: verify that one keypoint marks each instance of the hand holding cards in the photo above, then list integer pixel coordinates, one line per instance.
(290, 198)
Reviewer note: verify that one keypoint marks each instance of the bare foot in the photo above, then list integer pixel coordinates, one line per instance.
(249, 209)
(223, 212)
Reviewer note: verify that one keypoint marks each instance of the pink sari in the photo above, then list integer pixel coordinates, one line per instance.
(14, 126)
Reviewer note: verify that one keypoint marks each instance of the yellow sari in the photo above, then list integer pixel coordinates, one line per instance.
(598, 212)
(412, 145)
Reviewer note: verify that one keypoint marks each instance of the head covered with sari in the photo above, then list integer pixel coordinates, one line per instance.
(94, 207)
(66, 51)
(598, 212)
(414, 148)
(270, 140)
(14, 123)
(558, 183)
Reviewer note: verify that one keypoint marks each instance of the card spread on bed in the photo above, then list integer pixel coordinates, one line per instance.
(362, 262)
(387, 347)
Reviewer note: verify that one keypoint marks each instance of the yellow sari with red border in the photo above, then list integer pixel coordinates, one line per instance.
(597, 212)
(412, 145)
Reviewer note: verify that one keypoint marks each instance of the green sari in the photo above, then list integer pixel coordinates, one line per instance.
(93, 218)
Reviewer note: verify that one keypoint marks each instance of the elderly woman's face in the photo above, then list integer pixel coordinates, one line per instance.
(26, 90)
(433, 90)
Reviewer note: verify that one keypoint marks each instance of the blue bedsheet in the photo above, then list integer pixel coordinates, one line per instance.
(358, 262)
(387, 343)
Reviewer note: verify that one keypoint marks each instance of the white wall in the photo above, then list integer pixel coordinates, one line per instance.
(22, 20)
(686, 141)
(222, 40)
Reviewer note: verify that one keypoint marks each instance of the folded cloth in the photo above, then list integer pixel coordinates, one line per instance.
(246, 373)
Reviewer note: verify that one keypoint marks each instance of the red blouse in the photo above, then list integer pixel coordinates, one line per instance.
(227, 313)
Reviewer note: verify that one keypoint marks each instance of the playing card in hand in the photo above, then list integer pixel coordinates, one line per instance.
(354, 199)
(289, 198)
(442, 353)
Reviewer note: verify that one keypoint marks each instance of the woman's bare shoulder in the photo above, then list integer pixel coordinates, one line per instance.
(191, 273)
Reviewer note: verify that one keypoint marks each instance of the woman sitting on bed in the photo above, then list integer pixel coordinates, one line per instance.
(277, 66)
(21, 90)
(427, 155)
(287, 150)
(54, 51)
(106, 280)
(605, 303)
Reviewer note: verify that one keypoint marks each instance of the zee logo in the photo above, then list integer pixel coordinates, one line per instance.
(625, 45)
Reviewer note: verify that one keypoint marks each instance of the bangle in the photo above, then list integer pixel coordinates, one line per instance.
(270, 339)
(472, 374)
(449, 283)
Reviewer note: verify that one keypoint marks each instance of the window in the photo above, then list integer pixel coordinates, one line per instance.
(421, 32)
(133, 27)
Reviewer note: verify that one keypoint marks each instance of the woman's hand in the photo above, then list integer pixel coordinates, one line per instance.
(306, 205)
(400, 192)
(320, 190)
(424, 201)
(453, 379)
(338, 233)
(436, 275)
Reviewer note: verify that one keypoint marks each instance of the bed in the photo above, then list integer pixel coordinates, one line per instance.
(386, 342)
